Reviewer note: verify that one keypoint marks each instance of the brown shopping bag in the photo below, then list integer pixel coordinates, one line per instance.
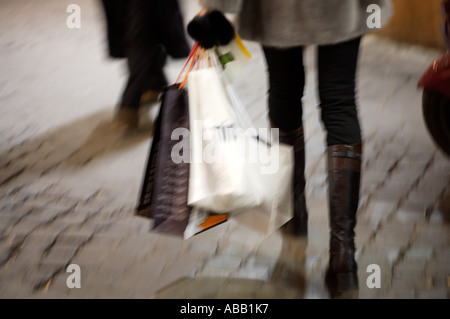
(165, 184)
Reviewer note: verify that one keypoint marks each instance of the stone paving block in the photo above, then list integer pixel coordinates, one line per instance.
(136, 253)
(12, 272)
(25, 226)
(122, 229)
(56, 226)
(392, 235)
(437, 235)
(239, 289)
(95, 290)
(368, 223)
(76, 217)
(14, 170)
(409, 216)
(400, 293)
(91, 256)
(379, 207)
(271, 246)
(225, 261)
(107, 273)
(36, 244)
(149, 270)
(43, 216)
(421, 253)
(16, 211)
(259, 272)
(388, 193)
(57, 288)
(364, 234)
(38, 185)
(407, 275)
(15, 289)
(119, 257)
(91, 226)
(442, 293)
(423, 195)
(5, 253)
(71, 239)
(136, 225)
(202, 288)
(384, 256)
(439, 272)
(132, 290)
(316, 261)
(59, 203)
(145, 271)
(6, 222)
(173, 271)
(40, 276)
(203, 247)
(214, 272)
(408, 173)
(242, 238)
(60, 254)
(436, 217)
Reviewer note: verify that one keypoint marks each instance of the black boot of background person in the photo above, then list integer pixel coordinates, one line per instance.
(146, 81)
(344, 172)
(299, 223)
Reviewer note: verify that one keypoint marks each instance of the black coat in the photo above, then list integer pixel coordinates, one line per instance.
(143, 24)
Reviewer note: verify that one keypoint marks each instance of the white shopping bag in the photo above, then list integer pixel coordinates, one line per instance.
(221, 179)
(231, 170)
(276, 186)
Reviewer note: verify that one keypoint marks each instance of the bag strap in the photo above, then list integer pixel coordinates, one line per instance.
(191, 58)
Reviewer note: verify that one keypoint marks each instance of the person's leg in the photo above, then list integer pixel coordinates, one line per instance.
(337, 65)
(146, 75)
(286, 83)
(145, 57)
(156, 79)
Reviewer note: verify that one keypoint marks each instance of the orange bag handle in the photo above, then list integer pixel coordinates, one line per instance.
(191, 58)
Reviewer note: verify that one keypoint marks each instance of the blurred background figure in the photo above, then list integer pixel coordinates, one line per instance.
(144, 32)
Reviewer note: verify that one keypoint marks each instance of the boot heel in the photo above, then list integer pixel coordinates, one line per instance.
(342, 286)
(347, 281)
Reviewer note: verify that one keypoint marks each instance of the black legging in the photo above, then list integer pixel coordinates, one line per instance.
(337, 66)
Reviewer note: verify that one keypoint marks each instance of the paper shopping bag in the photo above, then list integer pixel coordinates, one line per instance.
(165, 186)
(246, 176)
(164, 192)
(257, 185)
(220, 178)
(275, 184)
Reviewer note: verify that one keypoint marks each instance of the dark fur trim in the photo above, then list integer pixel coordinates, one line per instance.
(211, 29)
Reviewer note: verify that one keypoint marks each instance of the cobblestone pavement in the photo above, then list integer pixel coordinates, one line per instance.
(69, 181)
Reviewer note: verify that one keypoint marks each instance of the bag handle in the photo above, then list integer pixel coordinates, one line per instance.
(241, 111)
(191, 58)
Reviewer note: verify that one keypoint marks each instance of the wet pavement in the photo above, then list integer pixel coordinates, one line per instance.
(69, 181)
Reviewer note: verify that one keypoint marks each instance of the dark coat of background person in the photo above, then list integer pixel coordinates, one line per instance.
(144, 32)
(146, 23)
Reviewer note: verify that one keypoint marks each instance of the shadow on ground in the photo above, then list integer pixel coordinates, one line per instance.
(287, 280)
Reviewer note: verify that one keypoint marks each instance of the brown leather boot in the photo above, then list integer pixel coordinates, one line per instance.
(344, 171)
(299, 223)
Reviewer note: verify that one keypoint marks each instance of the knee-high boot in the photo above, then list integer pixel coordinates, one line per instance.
(344, 173)
(299, 223)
